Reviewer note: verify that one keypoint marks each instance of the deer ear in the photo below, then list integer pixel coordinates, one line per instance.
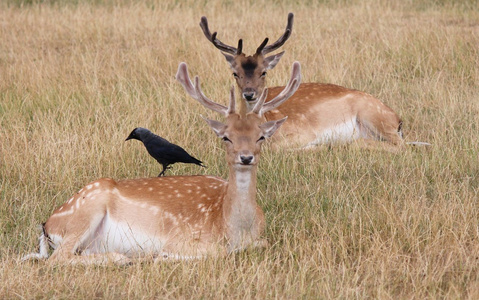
(271, 61)
(218, 127)
(269, 128)
(230, 59)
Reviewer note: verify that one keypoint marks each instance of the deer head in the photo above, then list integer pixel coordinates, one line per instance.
(243, 135)
(250, 71)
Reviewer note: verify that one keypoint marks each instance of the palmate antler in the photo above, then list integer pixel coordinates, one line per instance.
(260, 108)
(262, 49)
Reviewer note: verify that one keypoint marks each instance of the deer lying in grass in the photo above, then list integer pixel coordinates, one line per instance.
(176, 217)
(318, 113)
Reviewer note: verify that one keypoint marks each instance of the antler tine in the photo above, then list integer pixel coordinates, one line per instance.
(260, 48)
(283, 38)
(195, 91)
(183, 78)
(288, 91)
(258, 108)
(207, 102)
(212, 38)
(240, 47)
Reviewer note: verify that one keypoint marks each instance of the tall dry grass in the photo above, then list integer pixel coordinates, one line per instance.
(76, 77)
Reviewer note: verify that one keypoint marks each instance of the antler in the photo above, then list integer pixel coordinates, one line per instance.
(282, 39)
(259, 105)
(195, 92)
(218, 44)
(260, 108)
(261, 47)
(287, 92)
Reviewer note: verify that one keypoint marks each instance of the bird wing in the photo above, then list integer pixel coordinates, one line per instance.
(167, 153)
(179, 154)
(156, 148)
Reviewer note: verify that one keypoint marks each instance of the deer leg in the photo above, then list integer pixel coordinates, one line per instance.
(67, 253)
(385, 126)
(79, 246)
(43, 250)
(390, 131)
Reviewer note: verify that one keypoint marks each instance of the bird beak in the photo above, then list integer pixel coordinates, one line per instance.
(131, 136)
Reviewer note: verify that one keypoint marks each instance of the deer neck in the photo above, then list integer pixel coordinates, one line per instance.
(243, 109)
(240, 208)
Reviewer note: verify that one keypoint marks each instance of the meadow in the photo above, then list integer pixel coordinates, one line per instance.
(342, 222)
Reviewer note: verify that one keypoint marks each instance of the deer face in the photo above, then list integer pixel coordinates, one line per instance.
(250, 74)
(243, 137)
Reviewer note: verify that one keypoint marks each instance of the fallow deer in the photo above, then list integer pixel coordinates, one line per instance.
(177, 217)
(318, 113)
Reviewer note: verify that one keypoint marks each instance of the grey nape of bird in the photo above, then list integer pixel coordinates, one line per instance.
(163, 151)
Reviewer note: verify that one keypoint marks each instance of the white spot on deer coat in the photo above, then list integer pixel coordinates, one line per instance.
(154, 209)
(64, 213)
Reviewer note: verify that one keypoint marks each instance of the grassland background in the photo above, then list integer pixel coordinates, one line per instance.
(77, 76)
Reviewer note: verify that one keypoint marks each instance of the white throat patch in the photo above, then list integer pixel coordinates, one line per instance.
(243, 181)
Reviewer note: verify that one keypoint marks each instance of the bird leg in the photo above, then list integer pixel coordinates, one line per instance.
(165, 167)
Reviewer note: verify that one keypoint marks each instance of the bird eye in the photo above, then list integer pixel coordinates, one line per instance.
(261, 139)
(235, 75)
(225, 139)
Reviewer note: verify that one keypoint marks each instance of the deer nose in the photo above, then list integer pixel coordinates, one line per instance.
(246, 159)
(248, 96)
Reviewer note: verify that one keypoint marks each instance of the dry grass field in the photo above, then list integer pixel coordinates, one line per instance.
(342, 222)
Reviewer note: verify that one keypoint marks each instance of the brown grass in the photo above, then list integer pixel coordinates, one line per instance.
(75, 79)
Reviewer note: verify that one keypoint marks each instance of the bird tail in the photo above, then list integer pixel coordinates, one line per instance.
(198, 162)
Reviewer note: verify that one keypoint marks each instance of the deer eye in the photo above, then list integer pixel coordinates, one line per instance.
(263, 74)
(225, 139)
(260, 139)
(235, 75)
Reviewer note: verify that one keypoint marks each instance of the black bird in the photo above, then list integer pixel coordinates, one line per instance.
(163, 151)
